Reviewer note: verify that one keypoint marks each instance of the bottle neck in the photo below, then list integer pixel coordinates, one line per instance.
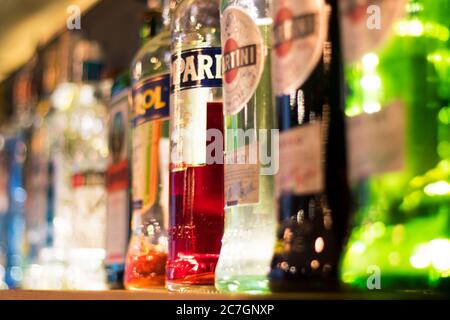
(168, 6)
(156, 18)
(152, 25)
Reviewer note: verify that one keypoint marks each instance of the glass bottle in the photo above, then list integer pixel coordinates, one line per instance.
(196, 167)
(150, 92)
(396, 102)
(38, 204)
(86, 147)
(250, 209)
(4, 204)
(15, 149)
(312, 186)
(117, 184)
(79, 153)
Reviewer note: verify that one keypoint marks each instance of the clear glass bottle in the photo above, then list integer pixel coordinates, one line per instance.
(79, 154)
(38, 211)
(118, 183)
(196, 180)
(250, 214)
(150, 93)
(86, 147)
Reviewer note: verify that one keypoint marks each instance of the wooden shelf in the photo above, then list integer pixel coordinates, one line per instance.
(165, 295)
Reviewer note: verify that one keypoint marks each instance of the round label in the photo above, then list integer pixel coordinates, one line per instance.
(366, 24)
(299, 32)
(243, 58)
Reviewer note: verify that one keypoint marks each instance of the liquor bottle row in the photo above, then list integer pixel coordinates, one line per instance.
(254, 146)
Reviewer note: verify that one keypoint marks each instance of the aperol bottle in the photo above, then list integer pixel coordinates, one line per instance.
(150, 92)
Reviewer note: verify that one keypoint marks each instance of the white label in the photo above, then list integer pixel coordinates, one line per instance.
(300, 30)
(366, 24)
(196, 74)
(117, 226)
(188, 128)
(242, 176)
(301, 158)
(243, 58)
(376, 142)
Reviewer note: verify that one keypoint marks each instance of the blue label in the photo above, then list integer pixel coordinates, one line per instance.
(197, 68)
(151, 99)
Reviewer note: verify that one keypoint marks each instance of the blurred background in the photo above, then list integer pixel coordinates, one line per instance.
(53, 137)
(58, 63)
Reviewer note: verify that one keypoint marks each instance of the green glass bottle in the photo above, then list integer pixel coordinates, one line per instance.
(250, 144)
(396, 68)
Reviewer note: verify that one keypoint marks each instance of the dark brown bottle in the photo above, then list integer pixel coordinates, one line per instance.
(312, 181)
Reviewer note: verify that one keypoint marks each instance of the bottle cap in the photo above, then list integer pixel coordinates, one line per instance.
(122, 82)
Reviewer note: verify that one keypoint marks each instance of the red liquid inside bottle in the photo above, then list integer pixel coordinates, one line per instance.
(196, 218)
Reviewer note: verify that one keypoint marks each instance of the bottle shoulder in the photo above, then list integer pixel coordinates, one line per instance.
(153, 58)
(196, 21)
(257, 9)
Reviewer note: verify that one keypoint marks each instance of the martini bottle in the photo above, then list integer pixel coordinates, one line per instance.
(250, 148)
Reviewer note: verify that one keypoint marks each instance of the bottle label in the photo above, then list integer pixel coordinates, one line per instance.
(376, 142)
(243, 58)
(151, 99)
(116, 227)
(151, 105)
(117, 182)
(299, 33)
(117, 172)
(88, 179)
(197, 68)
(301, 156)
(366, 24)
(242, 176)
(195, 73)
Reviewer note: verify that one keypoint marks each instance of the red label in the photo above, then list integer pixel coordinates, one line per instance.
(90, 178)
(283, 15)
(117, 176)
(230, 46)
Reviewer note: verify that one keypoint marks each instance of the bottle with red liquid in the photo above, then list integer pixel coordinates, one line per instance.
(196, 217)
(150, 93)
